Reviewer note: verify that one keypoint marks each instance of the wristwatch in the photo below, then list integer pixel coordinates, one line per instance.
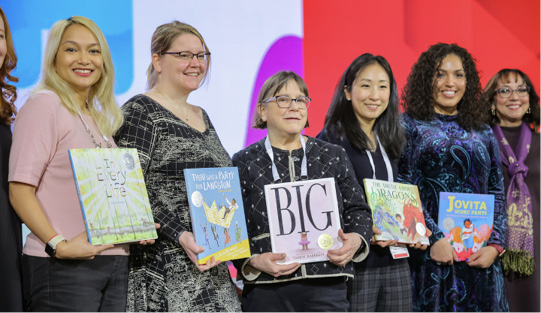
(50, 247)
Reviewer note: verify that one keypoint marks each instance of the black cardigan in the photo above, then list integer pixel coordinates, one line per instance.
(324, 160)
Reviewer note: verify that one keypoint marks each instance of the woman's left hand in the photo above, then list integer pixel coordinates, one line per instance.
(149, 241)
(483, 258)
(351, 243)
(418, 244)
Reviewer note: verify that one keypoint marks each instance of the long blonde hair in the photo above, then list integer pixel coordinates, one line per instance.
(101, 98)
(163, 38)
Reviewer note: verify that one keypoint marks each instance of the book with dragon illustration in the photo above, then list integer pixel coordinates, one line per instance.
(217, 213)
(466, 219)
(397, 211)
(303, 219)
(113, 195)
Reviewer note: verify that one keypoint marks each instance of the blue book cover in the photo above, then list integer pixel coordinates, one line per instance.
(466, 219)
(217, 213)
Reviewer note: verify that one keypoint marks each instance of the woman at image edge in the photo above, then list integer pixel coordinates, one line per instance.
(72, 108)
(449, 149)
(514, 110)
(10, 227)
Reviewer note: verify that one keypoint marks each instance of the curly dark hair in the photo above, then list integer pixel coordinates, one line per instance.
(418, 93)
(342, 118)
(9, 92)
(531, 118)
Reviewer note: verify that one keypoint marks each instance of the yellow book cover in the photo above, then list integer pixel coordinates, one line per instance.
(113, 195)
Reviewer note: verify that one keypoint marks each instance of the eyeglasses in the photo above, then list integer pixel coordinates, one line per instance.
(187, 56)
(506, 92)
(285, 101)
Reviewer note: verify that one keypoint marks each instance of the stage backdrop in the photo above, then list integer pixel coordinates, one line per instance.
(498, 33)
(251, 40)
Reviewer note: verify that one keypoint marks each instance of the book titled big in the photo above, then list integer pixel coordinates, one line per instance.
(466, 219)
(113, 195)
(217, 213)
(303, 219)
(397, 211)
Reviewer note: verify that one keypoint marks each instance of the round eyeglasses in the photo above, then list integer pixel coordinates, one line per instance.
(285, 101)
(506, 91)
(187, 56)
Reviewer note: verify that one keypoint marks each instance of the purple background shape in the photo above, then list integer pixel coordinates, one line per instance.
(285, 53)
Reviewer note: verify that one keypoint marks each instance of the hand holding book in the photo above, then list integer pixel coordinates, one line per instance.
(267, 262)
(382, 243)
(483, 258)
(149, 241)
(418, 244)
(187, 241)
(350, 245)
(79, 248)
(443, 252)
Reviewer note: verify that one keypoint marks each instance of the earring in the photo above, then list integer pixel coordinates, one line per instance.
(529, 110)
(493, 112)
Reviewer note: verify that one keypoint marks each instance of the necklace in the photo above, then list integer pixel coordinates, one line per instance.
(97, 145)
(175, 108)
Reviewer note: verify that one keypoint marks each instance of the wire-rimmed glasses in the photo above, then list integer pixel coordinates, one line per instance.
(506, 91)
(187, 56)
(285, 101)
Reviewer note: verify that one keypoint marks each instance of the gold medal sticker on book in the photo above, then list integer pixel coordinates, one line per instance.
(217, 213)
(397, 211)
(113, 195)
(303, 219)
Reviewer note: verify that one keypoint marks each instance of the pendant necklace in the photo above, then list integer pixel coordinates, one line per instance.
(97, 145)
(173, 108)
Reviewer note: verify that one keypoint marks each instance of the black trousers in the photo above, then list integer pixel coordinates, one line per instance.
(305, 295)
(51, 284)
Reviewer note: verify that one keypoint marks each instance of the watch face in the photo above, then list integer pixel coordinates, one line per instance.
(50, 250)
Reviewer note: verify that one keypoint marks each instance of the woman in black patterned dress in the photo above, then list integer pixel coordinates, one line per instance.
(170, 135)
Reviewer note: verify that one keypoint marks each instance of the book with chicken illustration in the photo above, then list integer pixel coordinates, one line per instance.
(217, 213)
(113, 195)
(397, 211)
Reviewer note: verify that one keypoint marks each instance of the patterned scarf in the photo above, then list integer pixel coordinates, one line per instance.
(520, 241)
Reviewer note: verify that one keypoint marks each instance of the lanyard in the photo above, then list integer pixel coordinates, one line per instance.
(304, 167)
(385, 159)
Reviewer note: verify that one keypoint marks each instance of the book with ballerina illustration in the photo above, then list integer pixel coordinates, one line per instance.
(217, 213)
(397, 211)
(466, 220)
(303, 219)
(113, 195)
